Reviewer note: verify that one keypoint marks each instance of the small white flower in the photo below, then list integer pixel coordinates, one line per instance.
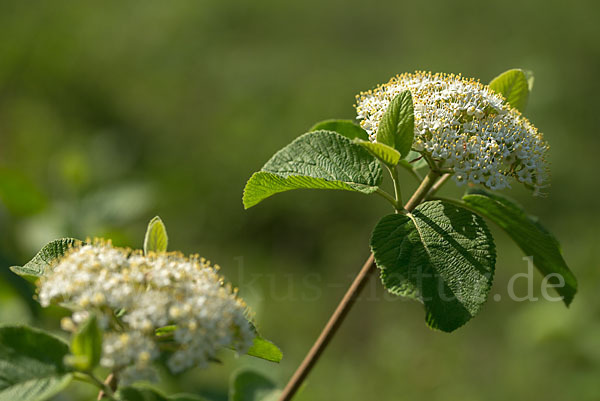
(466, 126)
(151, 291)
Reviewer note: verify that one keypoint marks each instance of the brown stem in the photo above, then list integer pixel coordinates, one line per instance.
(328, 332)
(438, 185)
(422, 191)
(110, 382)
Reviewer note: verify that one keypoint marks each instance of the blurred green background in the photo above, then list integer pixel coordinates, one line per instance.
(114, 111)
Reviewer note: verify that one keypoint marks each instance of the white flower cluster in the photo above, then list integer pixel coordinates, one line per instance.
(466, 127)
(133, 295)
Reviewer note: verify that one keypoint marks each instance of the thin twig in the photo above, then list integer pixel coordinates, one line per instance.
(109, 387)
(332, 325)
(436, 187)
(422, 191)
(431, 162)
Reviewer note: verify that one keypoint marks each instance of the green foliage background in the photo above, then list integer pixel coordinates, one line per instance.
(111, 113)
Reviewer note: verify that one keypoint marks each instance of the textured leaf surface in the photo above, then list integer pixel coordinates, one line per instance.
(265, 349)
(156, 239)
(343, 127)
(440, 254)
(31, 364)
(248, 385)
(317, 160)
(397, 125)
(45, 258)
(514, 86)
(385, 153)
(528, 234)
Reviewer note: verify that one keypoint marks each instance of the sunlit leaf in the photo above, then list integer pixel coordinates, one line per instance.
(156, 239)
(514, 86)
(397, 125)
(46, 258)
(316, 160)
(346, 128)
(385, 153)
(265, 349)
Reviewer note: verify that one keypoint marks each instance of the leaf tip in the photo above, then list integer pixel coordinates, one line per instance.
(247, 204)
(156, 238)
(247, 199)
(568, 298)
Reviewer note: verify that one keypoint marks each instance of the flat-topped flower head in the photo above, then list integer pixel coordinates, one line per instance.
(466, 126)
(147, 293)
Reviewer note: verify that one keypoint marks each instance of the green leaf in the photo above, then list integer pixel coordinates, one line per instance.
(263, 185)
(343, 127)
(265, 349)
(397, 125)
(386, 154)
(529, 235)
(31, 364)
(149, 394)
(316, 160)
(46, 258)
(86, 346)
(440, 254)
(514, 86)
(156, 239)
(248, 385)
(165, 330)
